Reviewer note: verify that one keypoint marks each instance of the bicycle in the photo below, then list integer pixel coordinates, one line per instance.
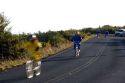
(77, 51)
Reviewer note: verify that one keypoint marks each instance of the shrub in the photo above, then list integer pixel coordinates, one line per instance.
(9, 44)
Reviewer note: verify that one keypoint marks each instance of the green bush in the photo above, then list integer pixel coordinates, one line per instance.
(9, 44)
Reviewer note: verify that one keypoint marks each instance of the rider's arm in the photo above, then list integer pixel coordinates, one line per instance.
(80, 38)
(72, 39)
(38, 46)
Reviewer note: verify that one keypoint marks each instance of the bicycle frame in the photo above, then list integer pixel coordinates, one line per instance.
(76, 50)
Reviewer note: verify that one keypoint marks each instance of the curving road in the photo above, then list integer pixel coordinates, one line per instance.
(102, 60)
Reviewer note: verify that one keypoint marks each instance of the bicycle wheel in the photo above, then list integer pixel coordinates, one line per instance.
(76, 51)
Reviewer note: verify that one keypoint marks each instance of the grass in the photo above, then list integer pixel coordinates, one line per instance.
(6, 64)
(47, 51)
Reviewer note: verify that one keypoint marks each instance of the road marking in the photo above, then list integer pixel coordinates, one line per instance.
(78, 69)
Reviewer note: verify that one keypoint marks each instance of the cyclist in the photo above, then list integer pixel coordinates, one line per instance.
(106, 33)
(33, 49)
(97, 33)
(76, 39)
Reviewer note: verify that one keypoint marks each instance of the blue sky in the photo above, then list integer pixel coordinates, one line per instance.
(42, 15)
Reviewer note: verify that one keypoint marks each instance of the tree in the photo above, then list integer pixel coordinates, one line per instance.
(9, 44)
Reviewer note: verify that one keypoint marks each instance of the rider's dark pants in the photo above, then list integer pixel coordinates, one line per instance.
(78, 44)
(106, 35)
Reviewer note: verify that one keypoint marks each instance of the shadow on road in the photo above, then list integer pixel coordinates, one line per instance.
(59, 58)
(113, 42)
(122, 56)
(12, 79)
(118, 49)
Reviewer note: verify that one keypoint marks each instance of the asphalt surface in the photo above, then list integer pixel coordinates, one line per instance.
(101, 60)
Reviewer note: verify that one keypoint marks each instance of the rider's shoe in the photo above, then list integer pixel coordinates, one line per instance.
(79, 50)
(78, 55)
(38, 74)
(30, 76)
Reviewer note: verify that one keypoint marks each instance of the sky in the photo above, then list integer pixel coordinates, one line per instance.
(31, 16)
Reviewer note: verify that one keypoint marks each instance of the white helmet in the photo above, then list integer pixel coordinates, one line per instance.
(33, 36)
(78, 32)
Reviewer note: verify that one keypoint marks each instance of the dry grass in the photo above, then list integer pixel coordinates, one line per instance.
(6, 64)
(53, 50)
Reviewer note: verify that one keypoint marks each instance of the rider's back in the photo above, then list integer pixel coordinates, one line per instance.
(76, 38)
(32, 49)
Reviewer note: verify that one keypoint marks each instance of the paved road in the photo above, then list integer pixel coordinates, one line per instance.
(101, 61)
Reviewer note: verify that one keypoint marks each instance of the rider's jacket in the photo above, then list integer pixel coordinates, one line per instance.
(106, 32)
(33, 49)
(76, 38)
